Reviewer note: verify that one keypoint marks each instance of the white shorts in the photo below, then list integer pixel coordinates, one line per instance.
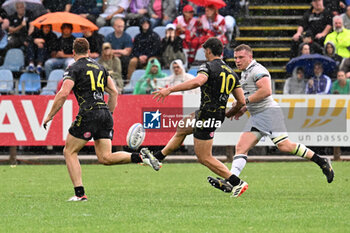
(269, 122)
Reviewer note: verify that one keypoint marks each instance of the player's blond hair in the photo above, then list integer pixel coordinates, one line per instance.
(244, 47)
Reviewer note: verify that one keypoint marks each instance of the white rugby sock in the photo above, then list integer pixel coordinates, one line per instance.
(238, 163)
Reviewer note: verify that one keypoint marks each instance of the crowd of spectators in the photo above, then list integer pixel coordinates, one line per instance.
(187, 26)
(324, 29)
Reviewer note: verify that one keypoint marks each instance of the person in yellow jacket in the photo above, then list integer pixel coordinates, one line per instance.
(340, 37)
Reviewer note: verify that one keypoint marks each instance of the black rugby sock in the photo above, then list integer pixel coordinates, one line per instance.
(317, 159)
(159, 155)
(135, 158)
(79, 191)
(234, 180)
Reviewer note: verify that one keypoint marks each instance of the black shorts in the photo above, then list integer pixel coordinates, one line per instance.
(207, 133)
(95, 123)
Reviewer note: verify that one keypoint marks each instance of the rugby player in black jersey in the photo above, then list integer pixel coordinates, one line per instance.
(216, 80)
(89, 80)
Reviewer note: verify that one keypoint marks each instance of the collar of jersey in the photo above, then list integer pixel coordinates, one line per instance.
(250, 64)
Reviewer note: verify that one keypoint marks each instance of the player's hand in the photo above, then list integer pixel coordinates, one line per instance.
(47, 120)
(161, 94)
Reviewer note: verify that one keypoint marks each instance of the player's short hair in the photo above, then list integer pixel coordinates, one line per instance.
(81, 46)
(244, 47)
(215, 45)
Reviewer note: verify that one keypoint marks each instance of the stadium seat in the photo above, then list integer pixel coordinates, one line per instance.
(31, 82)
(167, 71)
(77, 34)
(192, 71)
(6, 81)
(14, 60)
(129, 88)
(160, 30)
(133, 31)
(105, 30)
(54, 77)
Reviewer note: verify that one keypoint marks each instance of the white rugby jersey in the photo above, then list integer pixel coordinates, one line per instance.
(254, 72)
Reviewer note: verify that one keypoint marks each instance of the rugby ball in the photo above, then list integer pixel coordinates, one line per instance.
(136, 136)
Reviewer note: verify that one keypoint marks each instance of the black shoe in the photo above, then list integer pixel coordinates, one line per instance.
(221, 184)
(328, 170)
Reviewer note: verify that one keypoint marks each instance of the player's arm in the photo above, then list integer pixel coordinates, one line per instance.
(113, 94)
(240, 102)
(264, 90)
(188, 85)
(59, 100)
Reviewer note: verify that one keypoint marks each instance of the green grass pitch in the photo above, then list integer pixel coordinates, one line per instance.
(282, 197)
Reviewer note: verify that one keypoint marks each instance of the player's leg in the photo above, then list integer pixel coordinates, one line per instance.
(177, 140)
(246, 141)
(132, 67)
(203, 150)
(301, 150)
(105, 156)
(231, 183)
(70, 151)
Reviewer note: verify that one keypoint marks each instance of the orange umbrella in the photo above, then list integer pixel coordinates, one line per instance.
(56, 19)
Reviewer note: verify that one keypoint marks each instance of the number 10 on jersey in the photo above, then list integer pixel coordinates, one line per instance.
(225, 85)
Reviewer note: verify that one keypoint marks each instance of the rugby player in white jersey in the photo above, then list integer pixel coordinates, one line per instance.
(266, 117)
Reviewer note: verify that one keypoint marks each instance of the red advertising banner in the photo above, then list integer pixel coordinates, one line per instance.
(21, 119)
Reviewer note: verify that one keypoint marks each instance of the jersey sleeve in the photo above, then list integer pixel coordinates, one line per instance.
(204, 69)
(69, 74)
(260, 73)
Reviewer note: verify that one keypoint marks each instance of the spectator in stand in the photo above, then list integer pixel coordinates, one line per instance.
(179, 75)
(319, 83)
(304, 49)
(95, 40)
(150, 82)
(162, 12)
(137, 10)
(313, 46)
(334, 6)
(54, 5)
(121, 44)
(317, 20)
(329, 51)
(340, 37)
(63, 55)
(19, 27)
(146, 46)
(41, 46)
(230, 11)
(345, 66)
(295, 84)
(112, 65)
(346, 18)
(171, 47)
(212, 25)
(186, 27)
(112, 9)
(4, 25)
(86, 8)
(341, 85)
(4, 21)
